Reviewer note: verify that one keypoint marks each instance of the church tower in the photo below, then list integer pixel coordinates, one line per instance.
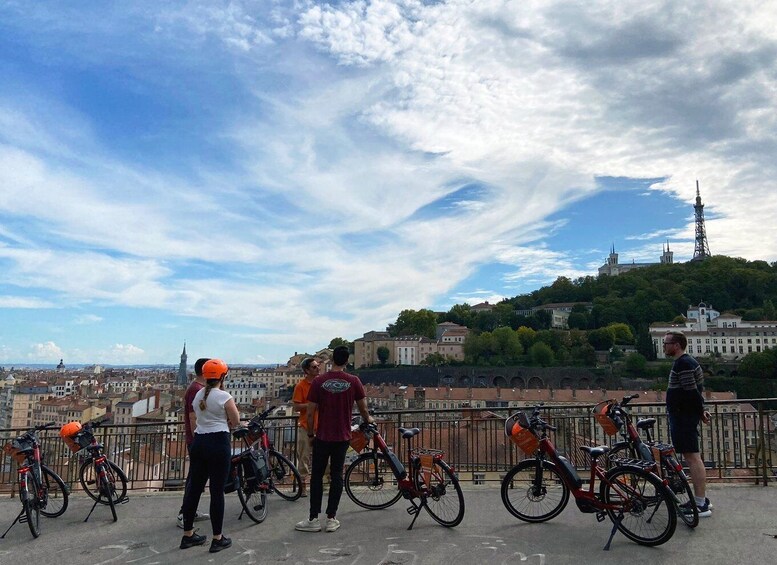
(613, 258)
(702, 248)
(667, 257)
(183, 378)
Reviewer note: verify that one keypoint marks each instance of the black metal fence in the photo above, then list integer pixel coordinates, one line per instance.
(740, 444)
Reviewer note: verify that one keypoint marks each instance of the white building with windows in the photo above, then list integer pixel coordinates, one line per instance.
(723, 335)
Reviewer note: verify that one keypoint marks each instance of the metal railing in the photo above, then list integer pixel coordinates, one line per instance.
(739, 444)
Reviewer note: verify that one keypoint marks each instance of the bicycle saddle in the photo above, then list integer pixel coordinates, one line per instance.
(240, 433)
(646, 423)
(408, 433)
(595, 452)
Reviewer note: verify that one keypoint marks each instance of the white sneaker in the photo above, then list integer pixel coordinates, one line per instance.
(198, 517)
(313, 525)
(332, 524)
(201, 516)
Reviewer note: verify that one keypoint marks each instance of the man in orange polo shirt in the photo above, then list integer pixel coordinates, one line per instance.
(310, 368)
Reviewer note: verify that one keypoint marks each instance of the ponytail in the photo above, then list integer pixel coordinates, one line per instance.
(210, 385)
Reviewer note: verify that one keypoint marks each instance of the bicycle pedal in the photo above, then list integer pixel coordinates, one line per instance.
(601, 516)
(124, 500)
(413, 510)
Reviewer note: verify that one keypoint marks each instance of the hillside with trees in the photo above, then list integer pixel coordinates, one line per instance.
(612, 311)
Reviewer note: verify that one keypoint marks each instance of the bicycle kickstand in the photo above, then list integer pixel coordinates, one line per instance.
(415, 510)
(17, 520)
(93, 507)
(615, 523)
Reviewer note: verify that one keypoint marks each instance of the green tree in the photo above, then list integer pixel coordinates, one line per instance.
(621, 333)
(411, 322)
(435, 360)
(577, 321)
(635, 364)
(507, 344)
(541, 354)
(338, 341)
(601, 339)
(527, 336)
(758, 365)
(383, 354)
(461, 314)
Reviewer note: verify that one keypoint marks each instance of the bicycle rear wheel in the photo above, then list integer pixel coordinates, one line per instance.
(253, 498)
(444, 499)
(285, 479)
(55, 494)
(679, 485)
(90, 484)
(645, 512)
(532, 497)
(31, 505)
(370, 482)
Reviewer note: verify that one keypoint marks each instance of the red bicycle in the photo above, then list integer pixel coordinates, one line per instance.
(537, 489)
(614, 417)
(369, 479)
(41, 490)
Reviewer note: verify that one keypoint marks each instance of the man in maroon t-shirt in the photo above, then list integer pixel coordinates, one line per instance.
(189, 423)
(332, 395)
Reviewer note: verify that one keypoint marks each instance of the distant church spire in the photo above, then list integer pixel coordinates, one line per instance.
(183, 378)
(667, 257)
(702, 248)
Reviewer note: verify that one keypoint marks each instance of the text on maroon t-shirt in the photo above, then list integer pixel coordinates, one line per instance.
(335, 392)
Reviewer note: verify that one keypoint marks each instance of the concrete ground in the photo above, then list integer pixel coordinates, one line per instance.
(742, 529)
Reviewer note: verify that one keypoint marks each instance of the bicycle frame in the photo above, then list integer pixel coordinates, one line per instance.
(587, 496)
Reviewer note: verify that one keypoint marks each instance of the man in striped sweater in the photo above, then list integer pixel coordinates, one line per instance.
(685, 407)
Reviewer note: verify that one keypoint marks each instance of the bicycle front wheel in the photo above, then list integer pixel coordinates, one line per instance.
(444, 499)
(370, 482)
(30, 504)
(285, 479)
(55, 494)
(108, 488)
(89, 481)
(679, 485)
(644, 511)
(252, 497)
(534, 493)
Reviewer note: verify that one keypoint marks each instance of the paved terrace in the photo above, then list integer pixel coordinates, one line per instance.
(742, 529)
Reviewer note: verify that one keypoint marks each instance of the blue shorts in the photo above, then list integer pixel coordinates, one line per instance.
(684, 432)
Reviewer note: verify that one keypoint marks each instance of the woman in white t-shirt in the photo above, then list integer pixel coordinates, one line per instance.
(211, 451)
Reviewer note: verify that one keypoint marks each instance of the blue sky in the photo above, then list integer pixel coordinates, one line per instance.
(258, 177)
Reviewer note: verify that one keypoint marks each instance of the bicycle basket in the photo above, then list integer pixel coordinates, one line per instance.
(358, 440)
(518, 429)
(79, 441)
(601, 415)
(18, 450)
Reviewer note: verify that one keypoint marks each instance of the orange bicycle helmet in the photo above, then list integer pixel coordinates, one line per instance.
(70, 429)
(214, 370)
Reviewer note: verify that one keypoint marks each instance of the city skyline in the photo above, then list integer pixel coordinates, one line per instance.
(255, 179)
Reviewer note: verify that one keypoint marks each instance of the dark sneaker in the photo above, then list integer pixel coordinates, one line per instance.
(192, 540)
(705, 509)
(217, 545)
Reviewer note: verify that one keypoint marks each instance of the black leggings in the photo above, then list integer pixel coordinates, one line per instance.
(210, 461)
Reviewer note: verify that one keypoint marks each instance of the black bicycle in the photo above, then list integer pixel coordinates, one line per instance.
(101, 479)
(41, 490)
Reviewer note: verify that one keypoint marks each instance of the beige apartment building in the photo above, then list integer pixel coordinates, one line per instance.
(23, 402)
(410, 350)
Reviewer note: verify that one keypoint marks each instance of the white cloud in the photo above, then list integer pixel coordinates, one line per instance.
(24, 302)
(48, 352)
(88, 319)
(314, 205)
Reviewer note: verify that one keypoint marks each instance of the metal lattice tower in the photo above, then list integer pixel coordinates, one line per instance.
(702, 249)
